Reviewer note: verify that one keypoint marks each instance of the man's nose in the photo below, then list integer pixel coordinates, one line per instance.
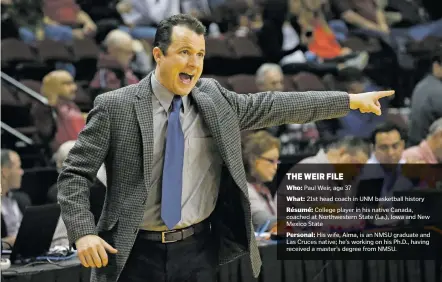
(192, 61)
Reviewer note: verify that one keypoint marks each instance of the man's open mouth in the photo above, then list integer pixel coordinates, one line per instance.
(185, 77)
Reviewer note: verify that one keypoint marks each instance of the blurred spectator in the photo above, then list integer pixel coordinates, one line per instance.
(389, 144)
(348, 150)
(59, 20)
(98, 187)
(363, 14)
(261, 159)
(369, 16)
(68, 14)
(386, 160)
(336, 155)
(61, 120)
(354, 123)
(13, 202)
(283, 43)
(323, 43)
(114, 65)
(426, 102)
(142, 16)
(430, 149)
(269, 77)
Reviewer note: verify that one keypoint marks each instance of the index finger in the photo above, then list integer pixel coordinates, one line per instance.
(381, 94)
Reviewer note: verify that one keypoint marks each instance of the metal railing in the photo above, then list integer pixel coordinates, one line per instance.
(28, 91)
(16, 133)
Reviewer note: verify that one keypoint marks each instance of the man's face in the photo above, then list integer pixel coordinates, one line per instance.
(66, 86)
(122, 52)
(13, 173)
(389, 147)
(181, 67)
(273, 81)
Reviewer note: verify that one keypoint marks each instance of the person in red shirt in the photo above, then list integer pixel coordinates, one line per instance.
(61, 117)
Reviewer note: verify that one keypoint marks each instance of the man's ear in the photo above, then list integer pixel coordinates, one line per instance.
(157, 54)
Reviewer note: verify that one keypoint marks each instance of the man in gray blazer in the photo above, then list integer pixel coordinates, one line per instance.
(176, 203)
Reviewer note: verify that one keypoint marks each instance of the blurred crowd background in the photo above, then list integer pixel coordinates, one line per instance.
(58, 55)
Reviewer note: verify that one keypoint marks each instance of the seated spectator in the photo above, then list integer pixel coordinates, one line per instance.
(15, 202)
(261, 159)
(68, 14)
(369, 16)
(386, 161)
(355, 123)
(389, 145)
(429, 151)
(363, 14)
(426, 102)
(114, 65)
(284, 44)
(323, 43)
(142, 16)
(53, 19)
(340, 153)
(61, 120)
(34, 25)
(269, 77)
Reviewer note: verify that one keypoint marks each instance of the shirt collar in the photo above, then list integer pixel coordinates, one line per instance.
(165, 96)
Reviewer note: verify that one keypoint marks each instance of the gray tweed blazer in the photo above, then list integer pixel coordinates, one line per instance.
(119, 132)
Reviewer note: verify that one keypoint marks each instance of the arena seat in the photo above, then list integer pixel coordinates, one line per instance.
(305, 81)
(243, 83)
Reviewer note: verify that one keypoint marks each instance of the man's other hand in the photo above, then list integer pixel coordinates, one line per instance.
(91, 251)
(368, 102)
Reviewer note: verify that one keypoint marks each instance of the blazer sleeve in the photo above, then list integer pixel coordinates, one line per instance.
(79, 171)
(266, 109)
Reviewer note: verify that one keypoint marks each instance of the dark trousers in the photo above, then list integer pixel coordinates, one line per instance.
(194, 259)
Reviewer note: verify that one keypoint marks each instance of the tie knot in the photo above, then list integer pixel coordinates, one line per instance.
(176, 103)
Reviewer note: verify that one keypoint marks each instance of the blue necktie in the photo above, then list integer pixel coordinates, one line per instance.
(173, 167)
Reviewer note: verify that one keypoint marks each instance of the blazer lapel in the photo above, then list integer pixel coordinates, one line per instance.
(218, 123)
(144, 113)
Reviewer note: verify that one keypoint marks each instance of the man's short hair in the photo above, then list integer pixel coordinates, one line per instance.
(435, 127)
(263, 69)
(6, 157)
(163, 36)
(384, 128)
(351, 144)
